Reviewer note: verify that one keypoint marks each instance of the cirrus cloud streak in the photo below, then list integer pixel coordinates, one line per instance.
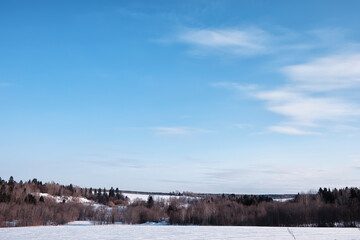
(317, 94)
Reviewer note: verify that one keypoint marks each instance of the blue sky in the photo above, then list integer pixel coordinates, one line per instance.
(203, 96)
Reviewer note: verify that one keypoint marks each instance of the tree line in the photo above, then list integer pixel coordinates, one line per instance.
(27, 204)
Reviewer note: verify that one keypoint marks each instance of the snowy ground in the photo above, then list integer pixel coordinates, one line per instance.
(144, 197)
(59, 199)
(86, 231)
(282, 199)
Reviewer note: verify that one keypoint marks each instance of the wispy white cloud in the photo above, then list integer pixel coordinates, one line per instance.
(179, 130)
(290, 130)
(254, 40)
(344, 127)
(232, 85)
(250, 38)
(326, 74)
(304, 109)
(248, 41)
(316, 93)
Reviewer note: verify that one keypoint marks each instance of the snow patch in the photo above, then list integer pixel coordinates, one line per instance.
(79, 223)
(144, 197)
(60, 199)
(282, 199)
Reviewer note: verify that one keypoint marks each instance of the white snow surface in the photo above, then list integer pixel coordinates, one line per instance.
(144, 197)
(282, 199)
(59, 199)
(141, 232)
(79, 223)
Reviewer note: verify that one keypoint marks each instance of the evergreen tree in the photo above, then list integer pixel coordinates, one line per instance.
(150, 202)
(111, 192)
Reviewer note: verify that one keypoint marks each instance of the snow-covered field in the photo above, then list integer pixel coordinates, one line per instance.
(144, 197)
(86, 231)
(132, 197)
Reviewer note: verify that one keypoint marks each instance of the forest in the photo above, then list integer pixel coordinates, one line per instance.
(32, 203)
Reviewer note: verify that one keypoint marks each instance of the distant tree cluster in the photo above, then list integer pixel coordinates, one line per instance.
(326, 208)
(111, 198)
(27, 204)
(20, 205)
(217, 210)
